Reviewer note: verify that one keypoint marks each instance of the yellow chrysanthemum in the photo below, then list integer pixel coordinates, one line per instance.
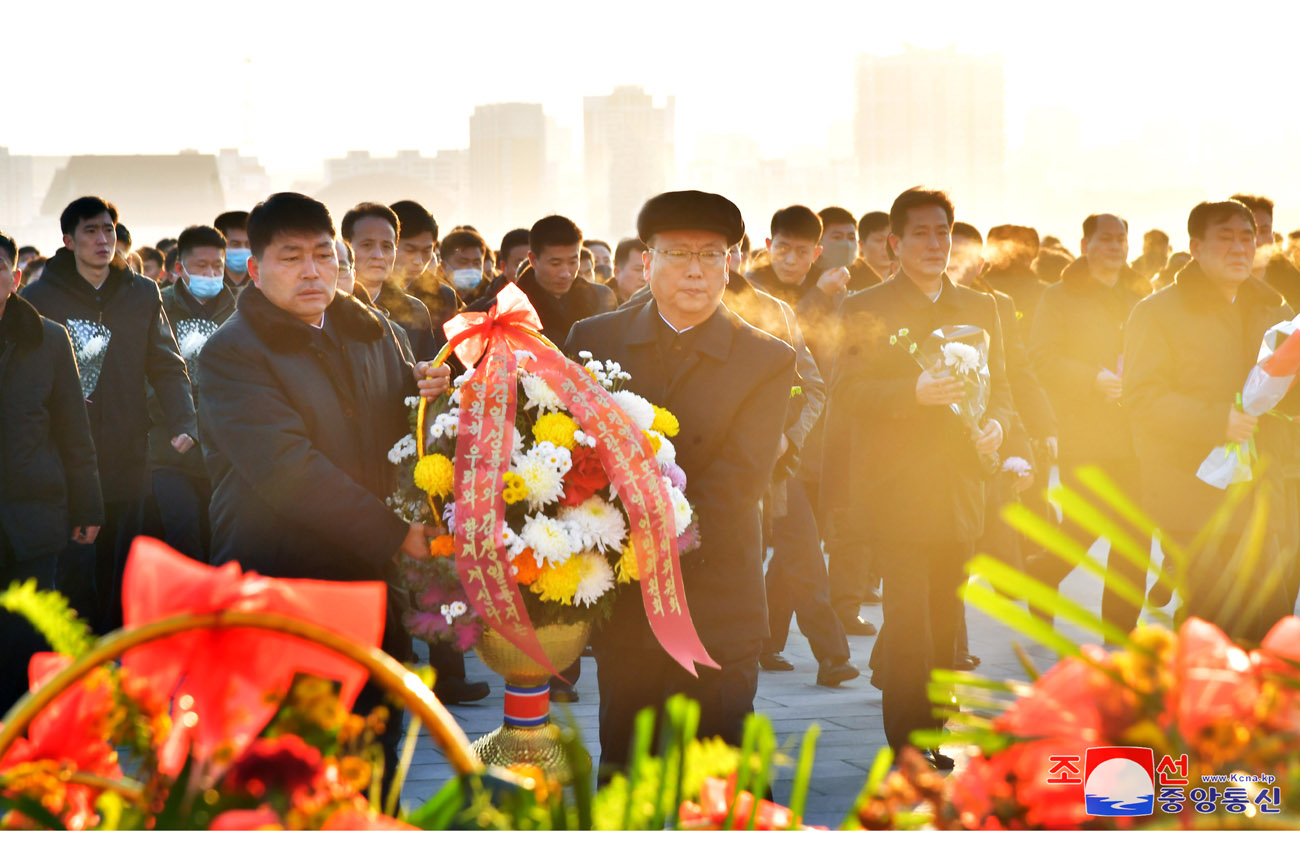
(516, 489)
(626, 567)
(656, 439)
(558, 582)
(665, 422)
(556, 428)
(434, 475)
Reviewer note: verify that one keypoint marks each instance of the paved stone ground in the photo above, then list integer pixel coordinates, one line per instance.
(849, 716)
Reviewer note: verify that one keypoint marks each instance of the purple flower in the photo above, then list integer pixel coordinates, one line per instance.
(449, 517)
(676, 477)
(690, 539)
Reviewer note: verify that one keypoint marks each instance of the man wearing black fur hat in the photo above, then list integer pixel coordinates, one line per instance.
(729, 385)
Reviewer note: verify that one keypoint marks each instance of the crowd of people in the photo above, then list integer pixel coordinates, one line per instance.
(235, 390)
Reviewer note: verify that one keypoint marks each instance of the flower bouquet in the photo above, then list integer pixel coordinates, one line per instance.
(961, 351)
(554, 484)
(1268, 382)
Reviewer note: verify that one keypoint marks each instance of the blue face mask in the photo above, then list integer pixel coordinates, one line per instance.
(237, 260)
(465, 279)
(203, 288)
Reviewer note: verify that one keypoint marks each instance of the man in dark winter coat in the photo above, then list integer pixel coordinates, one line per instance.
(417, 263)
(1010, 253)
(1077, 347)
(372, 229)
(122, 340)
(196, 304)
(914, 475)
(302, 396)
(728, 383)
(1187, 351)
(49, 485)
(551, 282)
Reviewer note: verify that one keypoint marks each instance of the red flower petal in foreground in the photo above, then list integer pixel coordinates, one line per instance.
(356, 819)
(226, 681)
(285, 764)
(263, 818)
(1214, 679)
(585, 478)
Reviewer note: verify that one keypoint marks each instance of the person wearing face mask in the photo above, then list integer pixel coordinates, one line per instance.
(840, 245)
(463, 252)
(196, 305)
(602, 260)
(233, 226)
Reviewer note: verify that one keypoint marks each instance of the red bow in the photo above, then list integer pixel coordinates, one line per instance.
(468, 333)
(227, 682)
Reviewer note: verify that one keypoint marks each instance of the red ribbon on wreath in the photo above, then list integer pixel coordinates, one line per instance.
(486, 343)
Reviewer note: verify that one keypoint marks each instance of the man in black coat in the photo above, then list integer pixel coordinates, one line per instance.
(1187, 351)
(372, 229)
(302, 397)
(551, 282)
(728, 383)
(122, 339)
(1077, 347)
(196, 304)
(49, 485)
(914, 475)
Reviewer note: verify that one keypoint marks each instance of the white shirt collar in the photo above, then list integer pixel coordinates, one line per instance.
(675, 329)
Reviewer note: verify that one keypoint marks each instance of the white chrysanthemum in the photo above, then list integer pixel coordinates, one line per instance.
(667, 452)
(638, 408)
(585, 355)
(412, 402)
(545, 484)
(597, 524)
(192, 343)
(94, 346)
(961, 357)
(540, 395)
(597, 579)
(404, 448)
(1018, 465)
(681, 508)
(446, 424)
(548, 538)
(584, 439)
(521, 354)
(557, 457)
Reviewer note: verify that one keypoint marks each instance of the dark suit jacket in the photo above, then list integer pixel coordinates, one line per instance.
(898, 471)
(729, 394)
(1187, 353)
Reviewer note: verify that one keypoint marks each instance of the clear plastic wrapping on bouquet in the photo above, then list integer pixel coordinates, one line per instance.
(191, 335)
(90, 343)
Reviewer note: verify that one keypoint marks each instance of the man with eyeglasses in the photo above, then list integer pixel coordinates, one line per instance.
(728, 383)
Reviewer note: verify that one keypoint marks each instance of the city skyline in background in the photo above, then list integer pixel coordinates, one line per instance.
(1011, 141)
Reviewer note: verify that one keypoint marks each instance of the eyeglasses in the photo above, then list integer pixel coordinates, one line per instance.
(682, 258)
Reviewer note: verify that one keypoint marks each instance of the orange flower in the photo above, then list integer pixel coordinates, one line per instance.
(526, 570)
(443, 545)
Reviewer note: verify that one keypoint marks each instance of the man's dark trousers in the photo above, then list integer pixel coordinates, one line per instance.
(797, 583)
(921, 612)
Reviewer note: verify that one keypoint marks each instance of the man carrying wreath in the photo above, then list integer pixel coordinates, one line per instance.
(728, 384)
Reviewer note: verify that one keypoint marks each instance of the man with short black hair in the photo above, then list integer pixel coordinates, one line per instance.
(551, 281)
(511, 257)
(372, 230)
(122, 255)
(728, 384)
(152, 264)
(1155, 254)
(914, 485)
(1187, 350)
(462, 253)
(196, 304)
(49, 486)
(302, 395)
(120, 333)
(840, 244)
(1077, 347)
(1272, 265)
(1009, 256)
(629, 270)
(602, 259)
(25, 255)
(873, 242)
(415, 269)
(233, 226)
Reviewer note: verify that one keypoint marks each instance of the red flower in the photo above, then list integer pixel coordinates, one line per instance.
(285, 764)
(263, 818)
(1072, 700)
(1214, 680)
(585, 478)
(226, 683)
(357, 819)
(715, 800)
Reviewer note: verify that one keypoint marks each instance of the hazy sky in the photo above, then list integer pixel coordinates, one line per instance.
(325, 77)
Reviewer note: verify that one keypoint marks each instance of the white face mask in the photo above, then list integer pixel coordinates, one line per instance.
(465, 279)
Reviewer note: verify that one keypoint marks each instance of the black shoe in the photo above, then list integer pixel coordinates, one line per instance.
(834, 674)
(563, 693)
(966, 662)
(774, 662)
(460, 691)
(938, 760)
(859, 626)
(871, 596)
